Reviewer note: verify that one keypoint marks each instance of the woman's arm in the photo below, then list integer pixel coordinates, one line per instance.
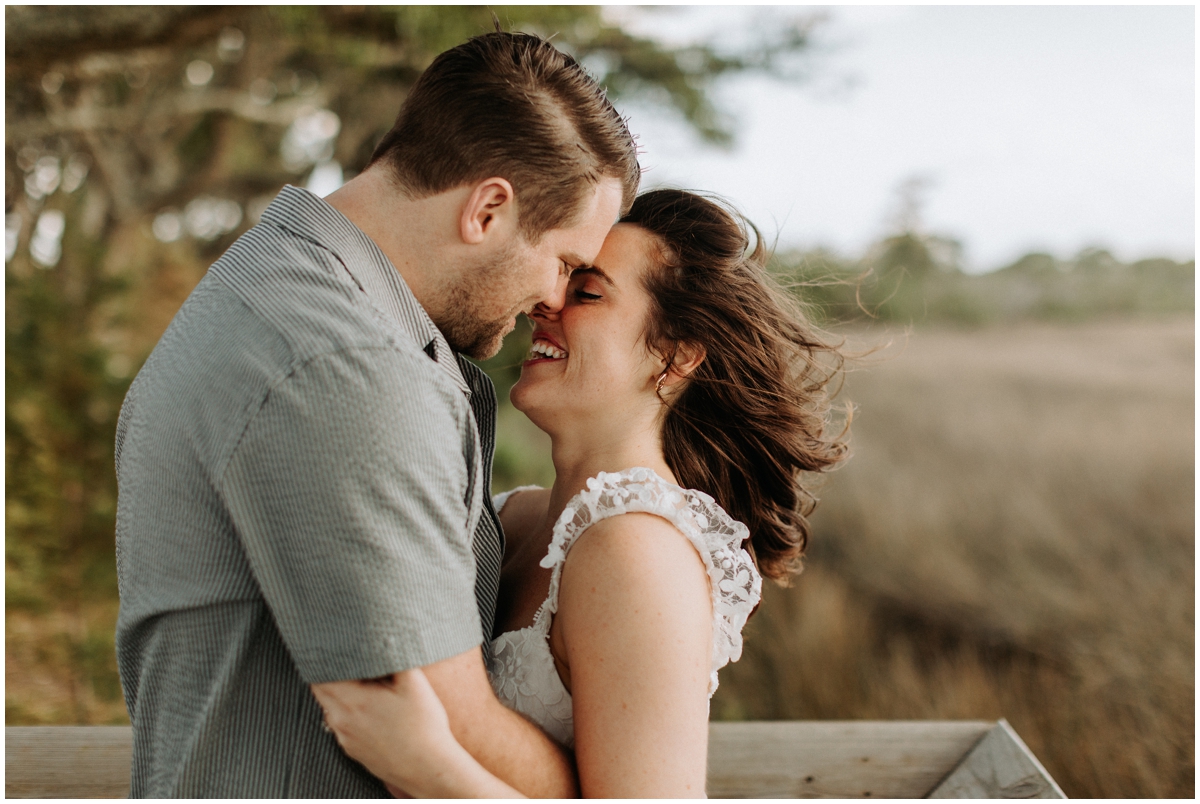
(421, 759)
(634, 625)
(400, 731)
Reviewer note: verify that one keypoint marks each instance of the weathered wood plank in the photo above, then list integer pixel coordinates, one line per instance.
(787, 759)
(1000, 766)
(838, 759)
(67, 761)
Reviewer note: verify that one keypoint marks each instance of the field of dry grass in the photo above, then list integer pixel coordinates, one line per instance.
(1014, 537)
(60, 666)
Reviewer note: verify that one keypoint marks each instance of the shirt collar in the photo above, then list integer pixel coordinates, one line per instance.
(306, 215)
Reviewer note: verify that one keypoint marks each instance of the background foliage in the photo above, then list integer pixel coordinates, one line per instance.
(964, 563)
(140, 142)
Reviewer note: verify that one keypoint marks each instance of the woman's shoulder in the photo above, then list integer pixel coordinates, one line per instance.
(632, 535)
(635, 563)
(629, 524)
(521, 509)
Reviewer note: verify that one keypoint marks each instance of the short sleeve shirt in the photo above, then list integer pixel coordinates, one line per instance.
(302, 467)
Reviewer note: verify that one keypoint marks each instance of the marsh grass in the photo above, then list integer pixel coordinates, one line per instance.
(60, 667)
(1013, 537)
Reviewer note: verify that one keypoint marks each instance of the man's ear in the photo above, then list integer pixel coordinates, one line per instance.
(490, 204)
(686, 359)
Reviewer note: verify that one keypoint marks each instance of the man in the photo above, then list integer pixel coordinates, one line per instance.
(304, 460)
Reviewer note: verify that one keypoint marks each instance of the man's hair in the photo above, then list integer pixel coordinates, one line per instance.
(511, 105)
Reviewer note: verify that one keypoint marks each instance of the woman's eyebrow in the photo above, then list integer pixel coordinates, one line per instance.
(596, 272)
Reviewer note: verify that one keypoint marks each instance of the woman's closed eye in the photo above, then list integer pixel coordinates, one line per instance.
(590, 284)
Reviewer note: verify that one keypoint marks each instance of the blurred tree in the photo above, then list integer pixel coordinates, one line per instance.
(1034, 264)
(140, 142)
(911, 251)
(170, 103)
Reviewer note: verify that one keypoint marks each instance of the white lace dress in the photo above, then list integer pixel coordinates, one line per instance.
(522, 670)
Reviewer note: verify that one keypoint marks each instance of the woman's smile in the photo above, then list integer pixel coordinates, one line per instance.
(545, 349)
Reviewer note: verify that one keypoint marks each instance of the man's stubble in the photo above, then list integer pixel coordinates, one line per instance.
(465, 319)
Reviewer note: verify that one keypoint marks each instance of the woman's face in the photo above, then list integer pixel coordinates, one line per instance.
(589, 361)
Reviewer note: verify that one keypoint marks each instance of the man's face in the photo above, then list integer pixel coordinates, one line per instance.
(484, 306)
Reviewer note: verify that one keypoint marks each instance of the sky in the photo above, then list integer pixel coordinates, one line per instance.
(1029, 128)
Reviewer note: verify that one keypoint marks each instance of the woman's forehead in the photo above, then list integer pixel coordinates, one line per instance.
(625, 254)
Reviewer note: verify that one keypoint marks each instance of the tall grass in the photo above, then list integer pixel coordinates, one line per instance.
(1013, 537)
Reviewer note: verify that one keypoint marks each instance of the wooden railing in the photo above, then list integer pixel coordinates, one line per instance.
(782, 759)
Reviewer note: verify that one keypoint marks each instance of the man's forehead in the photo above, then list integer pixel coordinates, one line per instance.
(573, 260)
(580, 245)
(603, 208)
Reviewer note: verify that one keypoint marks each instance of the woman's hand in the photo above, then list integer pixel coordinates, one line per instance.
(395, 726)
(398, 729)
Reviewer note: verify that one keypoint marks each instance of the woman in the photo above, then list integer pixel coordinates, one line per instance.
(684, 395)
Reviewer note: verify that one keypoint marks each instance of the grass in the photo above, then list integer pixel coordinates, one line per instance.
(60, 667)
(1013, 537)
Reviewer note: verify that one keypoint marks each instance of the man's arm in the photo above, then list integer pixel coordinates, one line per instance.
(352, 516)
(503, 743)
(398, 729)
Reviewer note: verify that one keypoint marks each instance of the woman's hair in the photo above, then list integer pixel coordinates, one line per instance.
(754, 415)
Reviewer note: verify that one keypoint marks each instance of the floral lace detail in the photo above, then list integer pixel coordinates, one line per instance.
(735, 582)
(525, 680)
(522, 670)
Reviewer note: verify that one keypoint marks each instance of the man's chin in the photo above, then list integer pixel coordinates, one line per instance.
(487, 351)
(486, 345)
(497, 343)
(475, 339)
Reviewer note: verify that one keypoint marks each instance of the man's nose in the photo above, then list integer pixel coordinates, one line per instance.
(543, 312)
(557, 298)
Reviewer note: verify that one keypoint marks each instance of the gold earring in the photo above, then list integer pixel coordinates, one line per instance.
(659, 385)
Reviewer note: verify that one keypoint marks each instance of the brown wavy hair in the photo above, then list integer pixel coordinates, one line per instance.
(754, 417)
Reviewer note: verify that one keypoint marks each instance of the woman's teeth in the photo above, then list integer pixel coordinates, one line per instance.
(543, 349)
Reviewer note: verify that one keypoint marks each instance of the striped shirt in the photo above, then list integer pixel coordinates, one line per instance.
(303, 466)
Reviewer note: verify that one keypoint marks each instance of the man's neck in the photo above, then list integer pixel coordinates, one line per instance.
(405, 229)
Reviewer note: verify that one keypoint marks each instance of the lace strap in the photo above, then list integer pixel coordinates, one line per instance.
(735, 583)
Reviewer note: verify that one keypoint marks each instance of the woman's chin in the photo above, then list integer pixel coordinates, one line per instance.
(525, 398)
(522, 397)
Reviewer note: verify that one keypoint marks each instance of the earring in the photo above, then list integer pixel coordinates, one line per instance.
(658, 386)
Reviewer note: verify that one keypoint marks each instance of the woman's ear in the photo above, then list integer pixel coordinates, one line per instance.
(489, 202)
(686, 359)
